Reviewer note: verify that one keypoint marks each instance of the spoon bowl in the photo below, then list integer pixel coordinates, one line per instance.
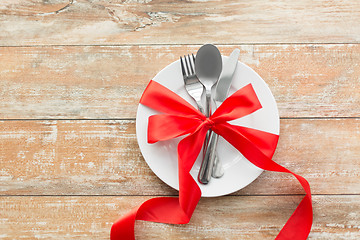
(208, 65)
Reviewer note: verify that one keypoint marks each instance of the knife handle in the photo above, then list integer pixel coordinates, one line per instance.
(207, 164)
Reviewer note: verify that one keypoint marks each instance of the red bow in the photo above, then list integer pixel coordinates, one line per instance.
(180, 118)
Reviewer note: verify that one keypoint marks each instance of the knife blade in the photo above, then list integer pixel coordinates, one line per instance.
(226, 76)
(207, 168)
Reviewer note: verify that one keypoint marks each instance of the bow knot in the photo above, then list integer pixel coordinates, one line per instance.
(208, 123)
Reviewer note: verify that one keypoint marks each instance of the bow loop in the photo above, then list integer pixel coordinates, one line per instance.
(163, 127)
(160, 98)
(243, 102)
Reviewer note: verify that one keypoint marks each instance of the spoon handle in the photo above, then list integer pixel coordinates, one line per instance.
(208, 161)
(208, 102)
(206, 165)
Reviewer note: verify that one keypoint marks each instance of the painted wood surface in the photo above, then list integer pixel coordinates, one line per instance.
(72, 73)
(102, 157)
(232, 217)
(102, 82)
(64, 22)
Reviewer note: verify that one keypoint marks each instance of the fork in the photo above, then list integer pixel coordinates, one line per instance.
(195, 89)
(192, 84)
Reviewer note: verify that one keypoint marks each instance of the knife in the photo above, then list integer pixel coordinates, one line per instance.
(221, 92)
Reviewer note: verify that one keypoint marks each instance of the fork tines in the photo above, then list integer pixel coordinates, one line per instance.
(189, 62)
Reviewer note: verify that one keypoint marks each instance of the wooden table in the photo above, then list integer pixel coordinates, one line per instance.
(72, 73)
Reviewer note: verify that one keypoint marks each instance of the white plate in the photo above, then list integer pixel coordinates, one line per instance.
(239, 172)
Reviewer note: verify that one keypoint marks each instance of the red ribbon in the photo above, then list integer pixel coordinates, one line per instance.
(180, 118)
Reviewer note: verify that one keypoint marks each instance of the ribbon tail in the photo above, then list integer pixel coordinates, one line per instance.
(123, 228)
(171, 210)
(162, 209)
(299, 224)
(188, 150)
(266, 142)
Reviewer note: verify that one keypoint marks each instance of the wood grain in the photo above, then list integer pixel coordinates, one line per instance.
(35, 22)
(246, 217)
(102, 82)
(72, 73)
(102, 158)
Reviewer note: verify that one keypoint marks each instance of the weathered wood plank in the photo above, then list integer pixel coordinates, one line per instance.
(260, 217)
(104, 82)
(88, 157)
(177, 22)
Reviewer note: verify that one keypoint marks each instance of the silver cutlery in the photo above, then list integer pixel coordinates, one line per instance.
(192, 84)
(195, 89)
(208, 66)
(221, 92)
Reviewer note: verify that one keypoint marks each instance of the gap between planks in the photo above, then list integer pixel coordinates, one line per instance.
(179, 44)
(167, 195)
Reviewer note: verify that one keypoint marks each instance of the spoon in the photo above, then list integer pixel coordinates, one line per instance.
(208, 66)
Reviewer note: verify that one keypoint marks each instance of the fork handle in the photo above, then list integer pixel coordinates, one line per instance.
(200, 107)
